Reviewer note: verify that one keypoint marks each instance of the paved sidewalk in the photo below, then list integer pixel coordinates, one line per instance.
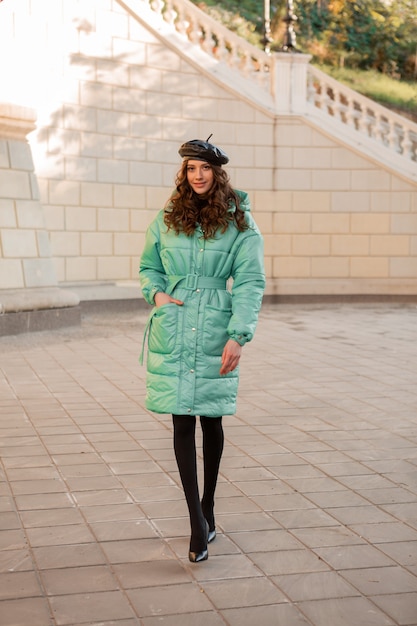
(317, 500)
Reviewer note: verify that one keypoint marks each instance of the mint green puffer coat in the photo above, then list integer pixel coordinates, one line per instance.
(185, 343)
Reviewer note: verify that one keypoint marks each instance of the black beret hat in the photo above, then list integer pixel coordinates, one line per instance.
(203, 151)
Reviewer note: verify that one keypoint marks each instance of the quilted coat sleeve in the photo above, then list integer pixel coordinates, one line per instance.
(151, 271)
(248, 286)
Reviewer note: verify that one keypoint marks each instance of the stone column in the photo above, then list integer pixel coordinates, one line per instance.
(30, 298)
(290, 82)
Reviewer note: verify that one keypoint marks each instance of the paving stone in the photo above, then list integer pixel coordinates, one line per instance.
(316, 506)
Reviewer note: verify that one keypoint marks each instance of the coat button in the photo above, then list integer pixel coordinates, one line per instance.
(188, 410)
(193, 329)
(197, 290)
(192, 371)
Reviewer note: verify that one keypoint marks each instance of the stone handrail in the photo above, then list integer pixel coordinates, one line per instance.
(327, 96)
(362, 114)
(218, 41)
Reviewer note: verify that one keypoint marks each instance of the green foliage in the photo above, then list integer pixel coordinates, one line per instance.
(369, 45)
(390, 92)
(361, 34)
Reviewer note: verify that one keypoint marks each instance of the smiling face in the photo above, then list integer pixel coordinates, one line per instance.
(200, 176)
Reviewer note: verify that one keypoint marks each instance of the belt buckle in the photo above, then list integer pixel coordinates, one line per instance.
(191, 281)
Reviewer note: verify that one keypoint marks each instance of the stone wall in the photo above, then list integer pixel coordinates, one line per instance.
(115, 102)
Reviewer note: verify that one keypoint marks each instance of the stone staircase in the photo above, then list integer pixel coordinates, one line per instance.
(282, 83)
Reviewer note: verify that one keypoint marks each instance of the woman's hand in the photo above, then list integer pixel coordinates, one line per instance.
(231, 356)
(163, 298)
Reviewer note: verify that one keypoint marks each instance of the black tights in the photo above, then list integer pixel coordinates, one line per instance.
(185, 454)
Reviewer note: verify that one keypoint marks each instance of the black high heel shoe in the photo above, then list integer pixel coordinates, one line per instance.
(197, 557)
(211, 535)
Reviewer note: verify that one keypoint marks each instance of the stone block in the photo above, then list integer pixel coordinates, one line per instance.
(65, 243)
(39, 273)
(54, 217)
(272, 200)
(370, 180)
(80, 218)
(96, 145)
(7, 214)
(44, 244)
(392, 202)
(369, 267)
(291, 223)
(11, 275)
(330, 267)
(15, 184)
(263, 157)
(314, 245)
(4, 154)
(129, 148)
(311, 201)
(293, 134)
(128, 243)
(64, 192)
(390, 245)
(294, 180)
(144, 78)
(350, 245)
(370, 223)
(156, 197)
(148, 126)
(128, 100)
(96, 194)
(162, 57)
(145, 174)
(112, 171)
(29, 214)
(18, 243)
(131, 52)
(96, 244)
(112, 72)
(291, 267)
(80, 118)
(263, 220)
(277, 245)
(81, 269)
(330, 223)
(20, 156)
(337, 181)
(81, 168)
(96, 95)
(403, 267)
(284, 157)
(342, 158)
(114, 268)
(113, 122)
(312, 158)
(140, 220)
(113, 220)
(129, 196)
(350, 201)
(404, 224)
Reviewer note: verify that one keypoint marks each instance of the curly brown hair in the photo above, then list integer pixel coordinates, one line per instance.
(185, 209)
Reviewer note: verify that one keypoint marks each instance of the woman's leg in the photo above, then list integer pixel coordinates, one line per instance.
(185, 453)
(213, 443)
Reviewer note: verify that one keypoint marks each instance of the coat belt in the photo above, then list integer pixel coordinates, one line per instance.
(194, 281)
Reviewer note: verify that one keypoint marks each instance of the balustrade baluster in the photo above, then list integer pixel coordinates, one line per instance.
(406, 144)
(170, 13)
(157, 6)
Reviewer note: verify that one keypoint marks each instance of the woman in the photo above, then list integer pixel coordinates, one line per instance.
(204, 236)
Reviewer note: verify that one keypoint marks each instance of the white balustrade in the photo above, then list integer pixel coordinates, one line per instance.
(386, 128)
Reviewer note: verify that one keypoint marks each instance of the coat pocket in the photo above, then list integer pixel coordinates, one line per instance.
(163, 329)
(215, 334)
